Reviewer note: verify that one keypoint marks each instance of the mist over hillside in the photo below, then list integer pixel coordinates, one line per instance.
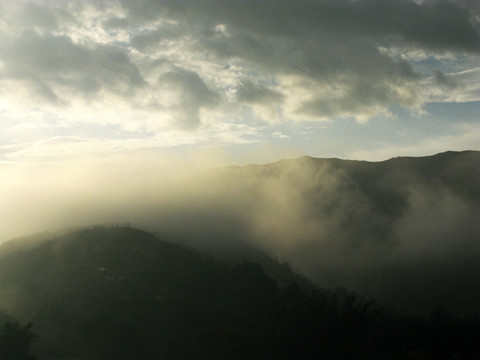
(123, 293)
(404, 231)
(277, 148)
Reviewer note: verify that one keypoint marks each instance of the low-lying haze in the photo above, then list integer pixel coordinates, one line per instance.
(403, 231)
(111, 111)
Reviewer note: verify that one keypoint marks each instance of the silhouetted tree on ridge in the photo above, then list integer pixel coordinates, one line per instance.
(16, 341)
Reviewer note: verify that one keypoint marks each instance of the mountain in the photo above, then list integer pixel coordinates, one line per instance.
(106, 291)
(120, 292)
(404, 231)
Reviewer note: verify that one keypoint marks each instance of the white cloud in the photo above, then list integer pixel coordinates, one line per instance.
(280, 135)
(189, 95)
(264, 101)
(463, 86)
(170, 66)
(463, 137)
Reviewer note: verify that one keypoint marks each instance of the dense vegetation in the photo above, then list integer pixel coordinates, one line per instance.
(16, 340)
(123, 293)
(403, 231)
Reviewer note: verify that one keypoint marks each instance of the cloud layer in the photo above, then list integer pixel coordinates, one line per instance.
(197, 66)
(404, 232)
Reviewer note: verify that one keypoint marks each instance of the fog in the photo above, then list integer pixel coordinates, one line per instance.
(402, 234)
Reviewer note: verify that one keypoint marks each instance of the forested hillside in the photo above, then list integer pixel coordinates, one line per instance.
(120, 292)
(404, 231)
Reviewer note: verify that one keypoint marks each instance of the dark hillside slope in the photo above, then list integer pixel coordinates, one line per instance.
(28, 242)
(404, 231)
(121, 293)
(386, 183)
(111, 291)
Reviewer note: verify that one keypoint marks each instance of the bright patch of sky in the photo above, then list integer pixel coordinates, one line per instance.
(254, 80)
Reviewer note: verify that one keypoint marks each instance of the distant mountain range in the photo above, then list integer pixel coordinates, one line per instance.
(404, 232)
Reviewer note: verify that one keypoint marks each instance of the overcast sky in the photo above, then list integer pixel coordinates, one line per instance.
(241, 81)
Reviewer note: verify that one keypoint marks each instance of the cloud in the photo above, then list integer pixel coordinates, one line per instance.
(333, 47)
(265, 102)
(116, 23)
(191, 95)
(387, 230)
(197, 66)
(282, 19)
(251, 93)
(326, 41)
(63, 67)
(459, 138)
(280, 135)
(37, 15)
(444, 80)
(359, 98)
(44, 16)
(459, 87)
(79, 78)
(151, 40)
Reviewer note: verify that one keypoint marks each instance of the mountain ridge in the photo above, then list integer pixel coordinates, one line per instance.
(122, 293)
(380, 219)
(389, 230)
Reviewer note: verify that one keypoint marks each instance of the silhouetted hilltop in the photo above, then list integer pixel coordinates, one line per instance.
(458, 171)
(404, 231)
(120, 292)
(114, 288)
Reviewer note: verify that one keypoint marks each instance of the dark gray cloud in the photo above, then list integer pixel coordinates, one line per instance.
(334, 43)
(444, 80)
(40, 15)
(404, 231)
(192, 94)
(116, 23)
(54, 63)
(143, 41)
(37, 15)
(436, 25)
(151, 39)
(251, 93)
(324, 58)
(387, 230)
(422, 22)
(362, 95)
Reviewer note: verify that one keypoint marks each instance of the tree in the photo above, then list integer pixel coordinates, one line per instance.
(16, 341)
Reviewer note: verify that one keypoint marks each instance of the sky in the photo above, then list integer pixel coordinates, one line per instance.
(111, 110)
(102, 103)
(237, 82)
